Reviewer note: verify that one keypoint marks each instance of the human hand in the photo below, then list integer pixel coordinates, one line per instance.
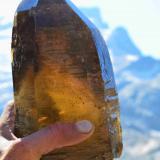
(39, 143)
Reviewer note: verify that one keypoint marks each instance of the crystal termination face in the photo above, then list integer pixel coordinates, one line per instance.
(26, 5)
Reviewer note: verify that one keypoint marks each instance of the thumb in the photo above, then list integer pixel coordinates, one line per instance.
(58, 136)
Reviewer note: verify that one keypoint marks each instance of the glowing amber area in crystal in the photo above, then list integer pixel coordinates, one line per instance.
(62, 94)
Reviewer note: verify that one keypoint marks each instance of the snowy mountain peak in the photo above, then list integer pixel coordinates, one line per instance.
(121, 43)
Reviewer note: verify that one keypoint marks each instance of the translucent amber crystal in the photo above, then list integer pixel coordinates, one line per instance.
(62, 73)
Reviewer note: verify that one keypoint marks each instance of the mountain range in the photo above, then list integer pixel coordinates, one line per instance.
(138, 78)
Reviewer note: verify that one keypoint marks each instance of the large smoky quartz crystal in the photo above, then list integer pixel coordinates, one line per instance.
(62, 73)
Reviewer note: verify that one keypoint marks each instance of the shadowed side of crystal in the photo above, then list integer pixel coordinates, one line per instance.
(111, 95)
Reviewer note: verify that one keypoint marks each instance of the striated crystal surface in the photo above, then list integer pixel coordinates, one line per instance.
(62, 73)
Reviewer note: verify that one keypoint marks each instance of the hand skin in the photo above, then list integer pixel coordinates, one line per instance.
(42, 142)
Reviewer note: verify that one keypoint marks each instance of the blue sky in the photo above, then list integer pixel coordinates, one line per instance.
(140, 17)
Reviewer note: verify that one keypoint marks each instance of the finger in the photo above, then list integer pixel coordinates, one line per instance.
(8, 115)
(7, 121)
(58, 136)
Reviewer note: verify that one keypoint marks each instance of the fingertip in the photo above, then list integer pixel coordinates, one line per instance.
(10, 103)
(73, 133)
(84, 126)
(10, 106)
